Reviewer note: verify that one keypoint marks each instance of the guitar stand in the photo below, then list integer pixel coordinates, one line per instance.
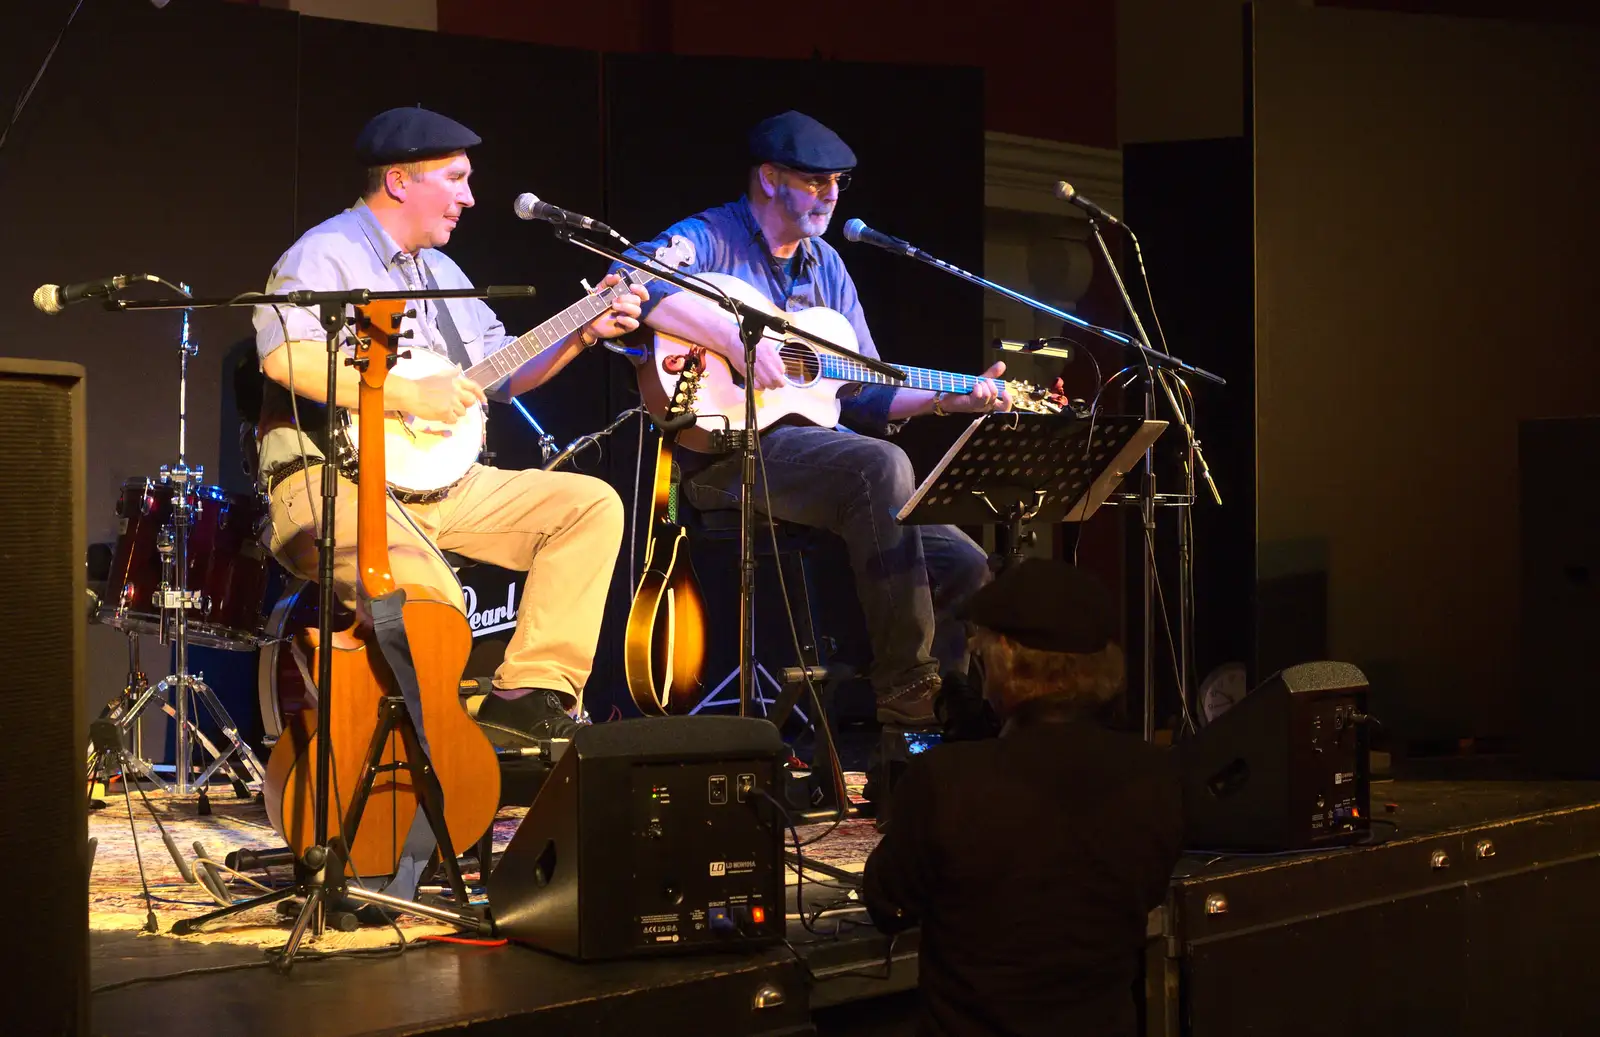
(313, 870)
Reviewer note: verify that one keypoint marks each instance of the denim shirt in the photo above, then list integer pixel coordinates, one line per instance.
(727, 240)
(352, 250)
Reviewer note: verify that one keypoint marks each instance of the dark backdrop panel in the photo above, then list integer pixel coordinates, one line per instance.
(1410, 310)
(918, 135)
(158, 141)
(538, 112)
(1205, 304)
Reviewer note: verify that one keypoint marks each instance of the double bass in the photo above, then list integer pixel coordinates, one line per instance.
(439, 641)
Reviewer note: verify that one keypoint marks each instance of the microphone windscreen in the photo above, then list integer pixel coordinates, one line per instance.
(1065, 191)
(526, 206)
(47, 299)
(853, 229)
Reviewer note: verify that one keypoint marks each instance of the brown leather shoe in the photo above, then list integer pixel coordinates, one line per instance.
(911, 705)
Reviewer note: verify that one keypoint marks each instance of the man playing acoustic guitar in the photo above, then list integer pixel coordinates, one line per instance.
(564, 529)
(908, 578)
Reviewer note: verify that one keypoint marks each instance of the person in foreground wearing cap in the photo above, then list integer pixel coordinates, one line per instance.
(832, 479)
(563, 529)
(1031, 860)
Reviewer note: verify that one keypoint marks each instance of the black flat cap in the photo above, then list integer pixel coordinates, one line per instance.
(1046, 605)
(411, 134)
(800, 142)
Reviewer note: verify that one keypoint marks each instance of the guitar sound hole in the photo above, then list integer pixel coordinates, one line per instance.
(800, 363)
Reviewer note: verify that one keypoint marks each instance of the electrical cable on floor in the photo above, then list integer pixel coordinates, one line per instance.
(819, 716)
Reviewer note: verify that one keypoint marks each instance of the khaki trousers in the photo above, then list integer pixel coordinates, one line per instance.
(563, 529)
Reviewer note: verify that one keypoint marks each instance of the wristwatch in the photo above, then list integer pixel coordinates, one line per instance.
(938, 404)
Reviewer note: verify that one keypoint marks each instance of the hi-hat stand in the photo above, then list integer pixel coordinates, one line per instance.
(182, 694)
(320, 873)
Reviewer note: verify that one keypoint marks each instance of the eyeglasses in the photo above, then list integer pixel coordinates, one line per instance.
(818, 184)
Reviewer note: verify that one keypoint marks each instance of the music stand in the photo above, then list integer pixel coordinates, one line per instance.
(1015, 467)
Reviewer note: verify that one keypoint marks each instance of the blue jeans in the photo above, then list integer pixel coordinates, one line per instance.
(910, 579)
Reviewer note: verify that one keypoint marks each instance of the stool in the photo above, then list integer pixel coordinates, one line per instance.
(794, 543)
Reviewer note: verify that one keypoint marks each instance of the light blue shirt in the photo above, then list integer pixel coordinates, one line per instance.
(352, 250)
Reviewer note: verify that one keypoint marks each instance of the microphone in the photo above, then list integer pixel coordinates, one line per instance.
(856, 230)
(52, 298)
(1069, 194)
(529, 207)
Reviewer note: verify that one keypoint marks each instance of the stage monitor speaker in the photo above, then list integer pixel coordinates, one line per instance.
(43, 620)
(1286, 768)
(650, 836)
(1560, 595)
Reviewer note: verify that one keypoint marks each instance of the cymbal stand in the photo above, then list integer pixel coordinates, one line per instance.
(184, 694)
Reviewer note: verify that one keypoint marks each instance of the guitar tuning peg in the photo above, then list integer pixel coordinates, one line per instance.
(408, 333)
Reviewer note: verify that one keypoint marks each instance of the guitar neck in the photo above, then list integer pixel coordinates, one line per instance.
(845, 369)
(525, 347)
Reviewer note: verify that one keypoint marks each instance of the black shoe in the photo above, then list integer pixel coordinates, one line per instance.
(912, 705)
(525, 720)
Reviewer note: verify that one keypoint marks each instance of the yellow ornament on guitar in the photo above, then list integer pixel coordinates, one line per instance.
(814, 377)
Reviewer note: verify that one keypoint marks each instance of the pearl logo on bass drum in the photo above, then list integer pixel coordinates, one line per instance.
(492, 618)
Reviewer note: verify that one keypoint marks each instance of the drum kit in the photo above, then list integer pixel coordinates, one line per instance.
(189, 568)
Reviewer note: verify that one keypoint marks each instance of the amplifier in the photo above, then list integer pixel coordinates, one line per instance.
(650, 836)
(1284, 769)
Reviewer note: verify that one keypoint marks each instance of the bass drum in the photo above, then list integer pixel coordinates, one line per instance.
(284, 680)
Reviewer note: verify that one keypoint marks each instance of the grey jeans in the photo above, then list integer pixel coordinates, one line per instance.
(910, 579)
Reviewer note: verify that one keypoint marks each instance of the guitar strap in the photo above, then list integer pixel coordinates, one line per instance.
(447, 327)
(388, 624)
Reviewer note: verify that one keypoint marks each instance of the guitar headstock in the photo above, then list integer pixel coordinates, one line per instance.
(677, 253)
(377, 327)
(1025, 396)
(688, 366)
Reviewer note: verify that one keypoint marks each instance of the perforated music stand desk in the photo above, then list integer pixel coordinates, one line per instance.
(1019, 467)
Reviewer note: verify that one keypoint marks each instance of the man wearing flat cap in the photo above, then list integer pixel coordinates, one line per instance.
(908, 578)
(563, 529)
(1032, 860)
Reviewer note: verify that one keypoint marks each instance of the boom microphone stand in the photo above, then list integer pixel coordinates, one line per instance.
(1151, 359)
(754, 323)
(320, 872)
(1148, 501)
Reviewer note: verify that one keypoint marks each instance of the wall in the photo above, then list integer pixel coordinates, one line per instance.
(1409, 312)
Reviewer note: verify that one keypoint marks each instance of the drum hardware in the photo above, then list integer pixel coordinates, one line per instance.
(223, 612)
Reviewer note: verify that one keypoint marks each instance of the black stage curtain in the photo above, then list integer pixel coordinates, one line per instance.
(198, 141)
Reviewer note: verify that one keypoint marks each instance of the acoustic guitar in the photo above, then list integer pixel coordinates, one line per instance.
(439, 640)
(815, 378)
(425, 455)
(664, 650)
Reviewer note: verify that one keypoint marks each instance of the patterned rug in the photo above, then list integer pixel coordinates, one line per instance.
(116, 900)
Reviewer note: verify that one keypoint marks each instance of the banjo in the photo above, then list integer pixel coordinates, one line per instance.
(426, 456)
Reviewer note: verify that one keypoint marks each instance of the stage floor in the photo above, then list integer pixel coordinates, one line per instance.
(144, 983)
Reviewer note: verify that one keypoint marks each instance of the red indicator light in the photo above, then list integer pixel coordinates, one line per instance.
(758, 915)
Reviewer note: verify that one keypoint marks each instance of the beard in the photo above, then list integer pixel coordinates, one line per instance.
(808, 213)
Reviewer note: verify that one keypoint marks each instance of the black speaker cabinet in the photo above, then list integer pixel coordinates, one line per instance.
(43, 620)
(650, 836)
(1560, 606)
(1284, 769)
